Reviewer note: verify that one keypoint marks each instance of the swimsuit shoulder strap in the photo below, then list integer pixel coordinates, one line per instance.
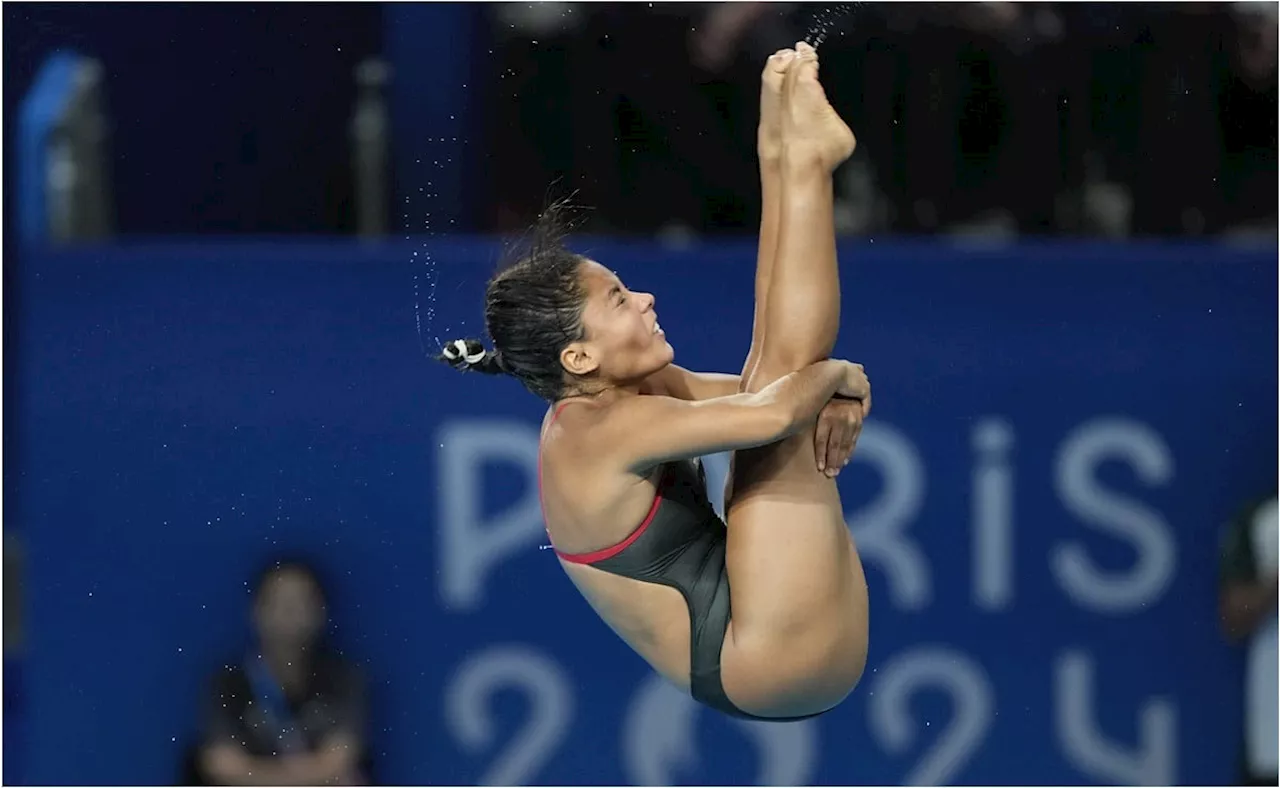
(556, 414)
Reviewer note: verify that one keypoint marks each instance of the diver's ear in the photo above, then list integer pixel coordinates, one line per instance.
(578, 359)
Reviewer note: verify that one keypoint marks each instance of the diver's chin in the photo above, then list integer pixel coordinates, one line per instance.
(661, 344)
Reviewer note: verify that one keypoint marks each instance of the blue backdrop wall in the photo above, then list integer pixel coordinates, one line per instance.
(1059, 433)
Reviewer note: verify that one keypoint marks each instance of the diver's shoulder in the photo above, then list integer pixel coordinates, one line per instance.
(593, 426)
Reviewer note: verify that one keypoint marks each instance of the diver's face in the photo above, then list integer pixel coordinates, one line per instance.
(624, 343)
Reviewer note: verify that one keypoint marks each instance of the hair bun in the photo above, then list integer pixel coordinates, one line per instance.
(464, 352)
(469, 354)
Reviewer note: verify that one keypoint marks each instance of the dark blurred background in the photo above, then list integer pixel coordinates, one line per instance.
(1014, 119)
(254, 535)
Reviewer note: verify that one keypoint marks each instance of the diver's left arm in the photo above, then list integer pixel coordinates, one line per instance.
(835, 435)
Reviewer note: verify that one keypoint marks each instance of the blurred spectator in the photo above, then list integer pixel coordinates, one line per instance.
(990, 117)
(1248, 107)
(1248, 607)
(977, 143)
(609, 97)
(293, 712)
(15, 706)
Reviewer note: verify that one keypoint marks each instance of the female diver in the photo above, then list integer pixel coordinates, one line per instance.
(618, 445)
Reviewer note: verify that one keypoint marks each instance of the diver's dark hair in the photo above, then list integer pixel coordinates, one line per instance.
(532, 310)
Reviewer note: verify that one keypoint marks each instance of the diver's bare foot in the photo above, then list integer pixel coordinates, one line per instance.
(812, 131)
(769, 133)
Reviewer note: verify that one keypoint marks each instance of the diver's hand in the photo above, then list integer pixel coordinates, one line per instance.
(836, 434)
(856, 384)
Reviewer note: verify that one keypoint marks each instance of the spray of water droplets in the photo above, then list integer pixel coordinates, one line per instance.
(825, 19)
(426, 275)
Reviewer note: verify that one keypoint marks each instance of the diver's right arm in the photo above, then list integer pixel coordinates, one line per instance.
(641, 432)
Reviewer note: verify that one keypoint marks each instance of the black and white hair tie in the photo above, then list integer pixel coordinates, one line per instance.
(457, 349)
